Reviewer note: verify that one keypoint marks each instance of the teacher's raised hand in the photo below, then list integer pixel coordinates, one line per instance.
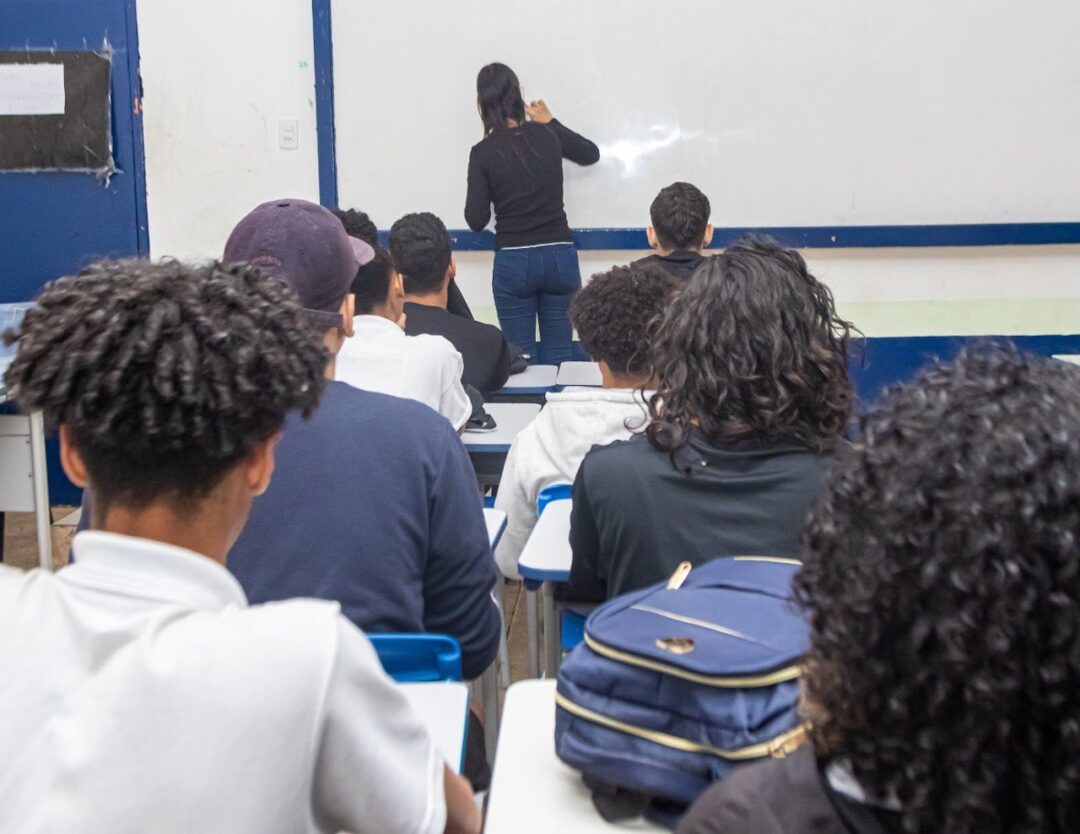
(538, 112)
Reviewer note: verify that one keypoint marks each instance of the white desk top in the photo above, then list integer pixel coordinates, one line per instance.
(579, 373)
(1074, 358)
(531, 790)
(546, 556)
(510, 419)
(535, 379)
(496, 523)
(443, 707)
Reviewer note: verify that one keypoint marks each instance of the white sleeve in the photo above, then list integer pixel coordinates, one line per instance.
(513, 499)
(454, 403)
(376, 769)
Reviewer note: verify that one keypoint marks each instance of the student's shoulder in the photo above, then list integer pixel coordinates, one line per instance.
(488, 332)
(433, 345)
(601, 460)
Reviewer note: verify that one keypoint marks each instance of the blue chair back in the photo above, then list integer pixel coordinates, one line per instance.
(413, 658)
(571, 628)
(554, 492)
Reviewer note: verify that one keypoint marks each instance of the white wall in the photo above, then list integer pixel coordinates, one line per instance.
(217, 77)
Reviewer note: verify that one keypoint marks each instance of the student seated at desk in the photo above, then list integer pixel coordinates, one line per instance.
(680, 229)
(380, 356)
(374, 502)
(420, 248)
(752, 399)
(357, 224)
(940, 581)
(141, 691)
(611, 315)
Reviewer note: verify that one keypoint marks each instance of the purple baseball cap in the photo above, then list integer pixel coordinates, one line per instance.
(304, 245)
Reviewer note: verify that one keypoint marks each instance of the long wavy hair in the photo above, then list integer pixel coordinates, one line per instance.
(942, 578)
(498, 96)
(752, 350)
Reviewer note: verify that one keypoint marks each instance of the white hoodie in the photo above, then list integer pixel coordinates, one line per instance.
(550, 450)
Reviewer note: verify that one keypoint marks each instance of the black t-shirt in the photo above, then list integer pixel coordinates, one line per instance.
(680, 264)
(519, 170)
(636, 517)
(783, 796)
(482, 347)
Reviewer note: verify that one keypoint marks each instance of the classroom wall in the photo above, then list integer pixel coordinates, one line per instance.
(217, 77)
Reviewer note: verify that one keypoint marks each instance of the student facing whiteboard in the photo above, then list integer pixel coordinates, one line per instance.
(517, 166)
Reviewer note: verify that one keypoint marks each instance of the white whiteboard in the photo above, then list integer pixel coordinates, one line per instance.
(786, 113)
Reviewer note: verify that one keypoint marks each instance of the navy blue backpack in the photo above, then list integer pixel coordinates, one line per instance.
(678, 684)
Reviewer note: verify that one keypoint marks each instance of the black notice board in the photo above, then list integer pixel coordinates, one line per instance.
(78, 140)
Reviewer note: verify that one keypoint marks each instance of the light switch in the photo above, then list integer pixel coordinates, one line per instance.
(288, 133)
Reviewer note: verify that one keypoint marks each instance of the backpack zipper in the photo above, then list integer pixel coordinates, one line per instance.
(787, 673)
(778, 747)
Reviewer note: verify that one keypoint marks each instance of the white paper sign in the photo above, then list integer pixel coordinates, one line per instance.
(31, 89)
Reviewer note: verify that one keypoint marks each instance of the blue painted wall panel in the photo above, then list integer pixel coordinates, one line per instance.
(53, 223)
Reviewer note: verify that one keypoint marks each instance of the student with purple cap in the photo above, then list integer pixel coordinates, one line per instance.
(374, 502)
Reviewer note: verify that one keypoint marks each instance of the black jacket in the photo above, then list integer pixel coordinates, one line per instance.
(482, 347)
(783, 796)
(636, 517)
(519, 170)
(679, 265)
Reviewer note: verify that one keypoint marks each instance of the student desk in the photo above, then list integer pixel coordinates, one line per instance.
(531, 790)
(496, 524)
(580, 374)
(488, 448)
(24, 486)
(544, 560)
(443, 707)
(534, 381)
(1073, 358)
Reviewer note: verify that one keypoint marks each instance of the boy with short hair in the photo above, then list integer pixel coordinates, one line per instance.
(381, 357)
(144, 693)
(375, 492)
(420, 248)
(679, 230)
(612, 315)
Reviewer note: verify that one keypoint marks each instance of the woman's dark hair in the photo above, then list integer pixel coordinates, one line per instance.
(371, 286)
(612, 314)
(420, 248)
(942, 580)
(357, 224)
(680, 216)
(498, 95)
(166, 374)
(751, 350)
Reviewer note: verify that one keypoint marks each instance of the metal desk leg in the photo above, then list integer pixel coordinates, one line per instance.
(489, 692)
(41, 490)
(552, 641)
(534, 637)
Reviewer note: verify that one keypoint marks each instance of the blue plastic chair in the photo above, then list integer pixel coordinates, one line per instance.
(554, 492)
(413, 658)
(571, 629)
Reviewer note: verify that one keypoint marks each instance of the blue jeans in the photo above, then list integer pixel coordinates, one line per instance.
(537, 283)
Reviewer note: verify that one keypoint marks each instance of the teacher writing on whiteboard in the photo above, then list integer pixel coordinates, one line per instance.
(517, 167)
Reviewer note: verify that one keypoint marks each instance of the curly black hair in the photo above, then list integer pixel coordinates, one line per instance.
(751, 350)
(165, 374)
(942, 579)
(357, 224)
(613, 313)
(679, 216)
(420, 247)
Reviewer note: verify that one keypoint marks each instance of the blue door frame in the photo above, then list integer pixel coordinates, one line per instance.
(53, 223)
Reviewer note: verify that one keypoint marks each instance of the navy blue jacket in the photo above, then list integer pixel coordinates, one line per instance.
(374, 503)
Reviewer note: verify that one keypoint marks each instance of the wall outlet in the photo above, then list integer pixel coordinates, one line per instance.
(288, 134)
